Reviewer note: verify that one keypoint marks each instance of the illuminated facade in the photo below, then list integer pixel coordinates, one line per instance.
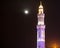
(40, 28)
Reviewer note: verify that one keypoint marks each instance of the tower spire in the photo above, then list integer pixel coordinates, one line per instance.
(40, 2)
(40, 10)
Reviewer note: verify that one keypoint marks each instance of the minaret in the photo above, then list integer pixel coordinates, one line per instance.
(40, 27)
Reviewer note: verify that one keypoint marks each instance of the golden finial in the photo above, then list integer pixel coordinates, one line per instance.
(40, 2)
(40, 8)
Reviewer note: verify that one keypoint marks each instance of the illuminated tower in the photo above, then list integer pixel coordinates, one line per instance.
(40, 27)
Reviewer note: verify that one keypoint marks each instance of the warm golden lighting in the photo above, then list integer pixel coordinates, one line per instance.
(40, 6)
(40, 10)
(55, 46)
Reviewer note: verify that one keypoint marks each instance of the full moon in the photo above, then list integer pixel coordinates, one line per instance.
(26, 11)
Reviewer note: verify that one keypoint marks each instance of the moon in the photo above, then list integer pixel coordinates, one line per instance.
(26, 11)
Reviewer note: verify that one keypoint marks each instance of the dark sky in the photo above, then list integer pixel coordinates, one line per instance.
(19, 30)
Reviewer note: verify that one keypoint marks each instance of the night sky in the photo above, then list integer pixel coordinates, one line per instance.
(19, 30)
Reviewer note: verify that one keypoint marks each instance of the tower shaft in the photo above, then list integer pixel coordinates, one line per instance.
(40, 28)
